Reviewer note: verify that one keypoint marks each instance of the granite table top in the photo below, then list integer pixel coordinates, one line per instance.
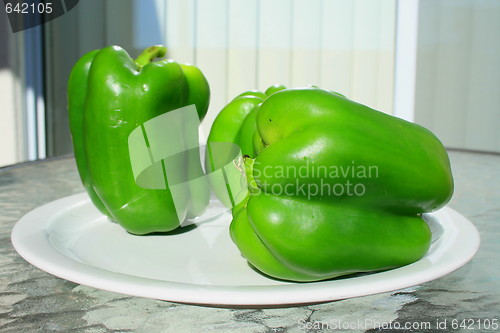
(32, 300)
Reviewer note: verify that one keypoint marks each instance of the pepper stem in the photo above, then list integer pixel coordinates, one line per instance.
(252, 184)
(156, 51)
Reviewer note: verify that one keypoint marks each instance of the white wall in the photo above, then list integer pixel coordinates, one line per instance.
(458, 72)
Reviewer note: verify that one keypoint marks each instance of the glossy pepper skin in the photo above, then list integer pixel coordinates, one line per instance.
(77, 90)
(110, 95)
(288, 231)
(236, 124)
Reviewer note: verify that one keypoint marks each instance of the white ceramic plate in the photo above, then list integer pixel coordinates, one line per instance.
(70, 239)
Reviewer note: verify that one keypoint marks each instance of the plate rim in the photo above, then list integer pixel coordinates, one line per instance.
(33, 225)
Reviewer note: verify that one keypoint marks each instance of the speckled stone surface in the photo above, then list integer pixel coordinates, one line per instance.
(34, 301)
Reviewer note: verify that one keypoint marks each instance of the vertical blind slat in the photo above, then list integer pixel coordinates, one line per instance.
(119, 30)
(427, 53)
(274, 49)
(306, 42)
(211, 52)
(90, 36)
(180, 30)
(337, 46)
(384, 79)
(366, 53)
(242, 43)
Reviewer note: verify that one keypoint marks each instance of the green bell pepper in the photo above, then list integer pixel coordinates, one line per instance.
(335, 187)
(77, 90)
(235, 124)
(110, 95)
